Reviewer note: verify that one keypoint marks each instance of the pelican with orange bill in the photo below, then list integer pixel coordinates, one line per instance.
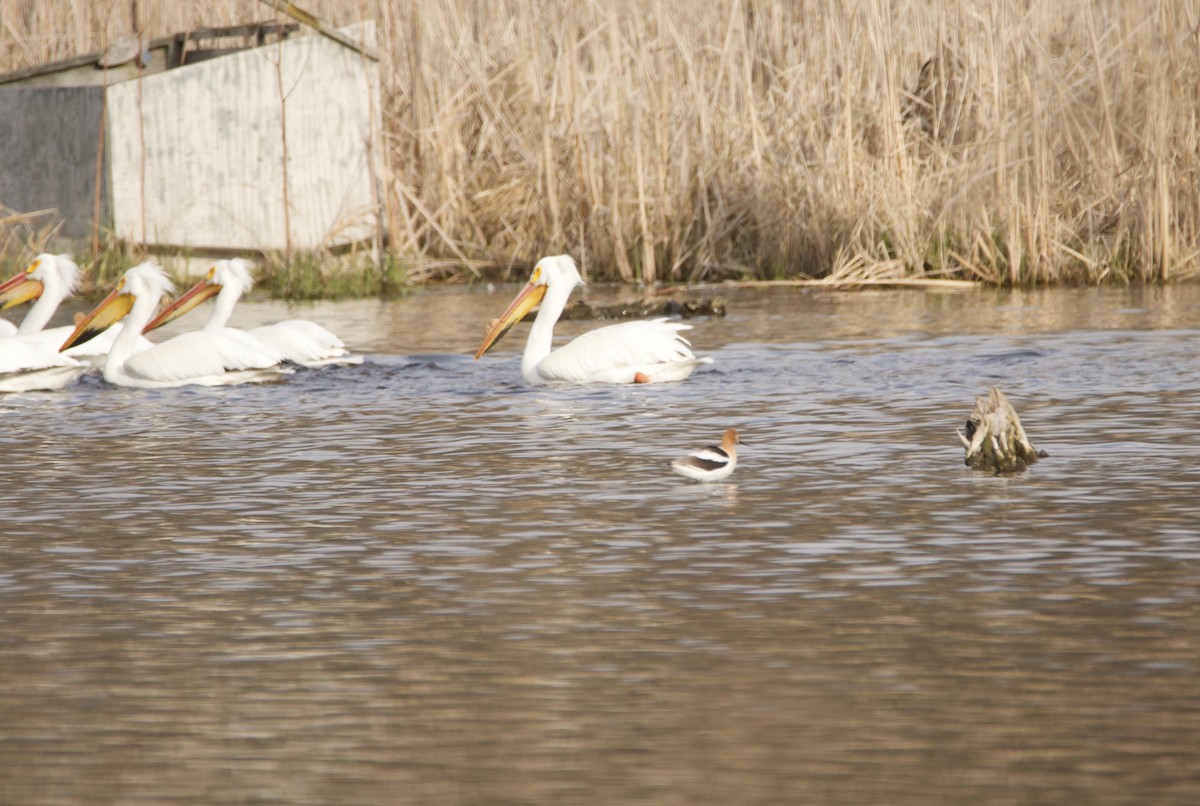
(299, 340)
(47, 281)
(649, 351)
(203, 358)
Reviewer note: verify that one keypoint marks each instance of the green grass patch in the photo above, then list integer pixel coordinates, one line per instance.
(311, 276)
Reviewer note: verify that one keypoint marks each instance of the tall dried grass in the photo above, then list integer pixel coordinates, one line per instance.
(1019, 142)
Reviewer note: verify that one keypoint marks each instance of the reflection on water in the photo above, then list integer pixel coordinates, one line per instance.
(418, 581)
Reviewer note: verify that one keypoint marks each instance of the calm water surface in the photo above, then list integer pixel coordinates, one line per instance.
(418, 581)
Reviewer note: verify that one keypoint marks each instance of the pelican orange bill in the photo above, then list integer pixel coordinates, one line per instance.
(529, 298)
(112, 309)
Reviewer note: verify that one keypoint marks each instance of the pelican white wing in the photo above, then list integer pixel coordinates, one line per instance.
(306, 343)
(18, 354)
(26, 367)
(203, 357)
(618, 353)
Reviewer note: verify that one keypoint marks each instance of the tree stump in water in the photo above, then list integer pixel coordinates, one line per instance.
(994, 438)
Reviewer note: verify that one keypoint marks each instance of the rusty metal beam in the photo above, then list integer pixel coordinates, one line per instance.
(302, 16)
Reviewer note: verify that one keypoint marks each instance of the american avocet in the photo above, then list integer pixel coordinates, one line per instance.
(300, 341)
(631, 352)
(712, 463)
(202, 357)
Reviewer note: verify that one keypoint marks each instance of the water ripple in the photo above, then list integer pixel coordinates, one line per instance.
(419, 580)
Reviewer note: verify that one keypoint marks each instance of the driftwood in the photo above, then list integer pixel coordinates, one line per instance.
(994, 438)
(646, 308)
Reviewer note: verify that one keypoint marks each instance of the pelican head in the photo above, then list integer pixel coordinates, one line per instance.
(56, 275)
(145, 284)
(558, 273)
(225, 279)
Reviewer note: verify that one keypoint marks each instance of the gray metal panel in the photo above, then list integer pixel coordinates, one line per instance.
(48, 142)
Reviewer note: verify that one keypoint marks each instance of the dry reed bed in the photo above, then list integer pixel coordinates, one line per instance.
(703, 139)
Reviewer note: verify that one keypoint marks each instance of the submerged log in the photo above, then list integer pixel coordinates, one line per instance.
(994, 438)
(646, 309)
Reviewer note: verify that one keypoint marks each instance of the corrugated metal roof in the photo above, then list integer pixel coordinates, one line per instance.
(164, 53)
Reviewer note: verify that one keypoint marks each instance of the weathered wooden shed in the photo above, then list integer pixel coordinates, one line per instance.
(184, 146)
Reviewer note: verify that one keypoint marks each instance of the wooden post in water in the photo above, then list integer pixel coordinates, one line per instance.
(994, 439)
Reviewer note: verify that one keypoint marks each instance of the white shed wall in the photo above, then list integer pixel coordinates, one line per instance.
(211, 171)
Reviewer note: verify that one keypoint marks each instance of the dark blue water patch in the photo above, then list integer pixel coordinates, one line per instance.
(1013, 357)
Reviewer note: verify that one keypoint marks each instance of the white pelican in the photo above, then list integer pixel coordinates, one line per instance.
(7, 328)
(26, 367)
(205, 357)
(631, 352)
(300, 341)
(27, 362)
(50, 279)
(712, 463)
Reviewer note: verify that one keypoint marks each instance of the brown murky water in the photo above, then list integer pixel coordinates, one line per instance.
(418, 581)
